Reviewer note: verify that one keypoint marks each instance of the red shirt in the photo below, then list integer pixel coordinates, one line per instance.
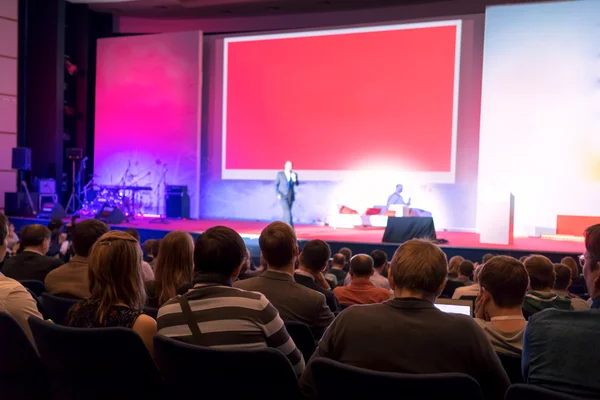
(360, 291)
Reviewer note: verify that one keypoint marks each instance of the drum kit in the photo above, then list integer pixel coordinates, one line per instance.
(131, 200)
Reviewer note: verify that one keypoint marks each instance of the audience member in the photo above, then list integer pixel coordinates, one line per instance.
(147, 248)
(12, 239)
(471, 290)
(15, 300)
(561, 287)
(577, 285)
(56, 240)
(71, 279)
(558, 348)
(465, 272)
(4, 231)
(116, 286)
(313, 260)
(418, 338)
(174, 268)
(248, 270)
(499, 307)
(453, 266)
(32, 263)
(523, 258)
(348, 255)
(338, 262)
(294, 302)
(361, 290)
(379, 263)
(541, 281)
(487, 257)
(229, 318)
(147, 270)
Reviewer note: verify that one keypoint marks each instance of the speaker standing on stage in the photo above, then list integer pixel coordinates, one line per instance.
(284, 186)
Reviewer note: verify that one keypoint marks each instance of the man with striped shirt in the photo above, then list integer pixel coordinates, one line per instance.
(227, 317)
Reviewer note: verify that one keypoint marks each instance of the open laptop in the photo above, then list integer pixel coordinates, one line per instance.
(455, 306)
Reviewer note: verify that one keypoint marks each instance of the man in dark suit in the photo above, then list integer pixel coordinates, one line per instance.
(284, 187)
(32, 262)
(294, 302)
(313, 260)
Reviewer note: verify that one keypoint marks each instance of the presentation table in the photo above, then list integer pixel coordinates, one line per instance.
(402, 229)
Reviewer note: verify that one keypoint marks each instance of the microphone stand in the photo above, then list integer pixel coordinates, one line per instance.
(163, 181)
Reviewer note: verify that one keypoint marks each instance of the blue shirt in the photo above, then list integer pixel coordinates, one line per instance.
(560, 352)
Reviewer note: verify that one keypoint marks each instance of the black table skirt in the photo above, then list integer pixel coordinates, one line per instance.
(402, 229)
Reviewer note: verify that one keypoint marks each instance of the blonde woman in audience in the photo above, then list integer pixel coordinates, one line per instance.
(498, 310)
(117, 289)
(174, 268)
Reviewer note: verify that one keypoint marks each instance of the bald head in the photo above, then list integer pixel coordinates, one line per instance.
(361, 266)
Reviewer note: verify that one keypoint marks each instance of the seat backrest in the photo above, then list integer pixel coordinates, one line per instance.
(327, 375)
(37, 287)
(21, 373)
(303, 337)
(56, 307)
(512, 366)
(219, 374)
(151, 311)
(531, 392)
(96, 363)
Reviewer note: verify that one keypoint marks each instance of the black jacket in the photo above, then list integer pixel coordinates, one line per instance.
(332, 302)
(29, 265)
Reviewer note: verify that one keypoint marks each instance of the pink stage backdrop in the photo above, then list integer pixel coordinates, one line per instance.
(148, 114)
(376, 98)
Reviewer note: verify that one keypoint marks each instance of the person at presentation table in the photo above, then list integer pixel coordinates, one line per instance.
(396, 198)
(284, 186)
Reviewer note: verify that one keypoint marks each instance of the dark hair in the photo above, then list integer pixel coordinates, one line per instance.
(486, 257)
(338, 259)
(563, 276)
(361, 265)
(347, 253)
(219, 250)
(592, 244)
(506, 279)
(85, 234)
(34, 235)
(278, 244)
(55, 224)
(315, 254)
(3, 230)
(133, 232)
(466, 268)
(155, 247)
(380, 258)
(541, 272)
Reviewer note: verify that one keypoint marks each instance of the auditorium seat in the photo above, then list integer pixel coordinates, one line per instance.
(364, 383)
(512, 366)
(532, 392)
(302, 337)
(56, 308)
(96, 363)
(192, 371)
(37, 287)
(151, 312)
(22, 375)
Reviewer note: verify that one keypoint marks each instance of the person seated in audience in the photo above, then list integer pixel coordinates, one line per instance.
(471, 290)
(117, 290)
(379, 263)
(313, 260)
(414, 336)
(71, 279)
(465, 272)
(541, 281)
(228, 317)
(56, 239)
(294, 302)
(248, 270)
(486, 257)
(499, 306)
(12, 239)
(147, 248)
(361, 290)
(523, 258)
(147, 270)
(559, 348)
(578, 285)
(453, 266)
(15, 300)
(32, 262)
(174, 268)
(348, 255)
(561, 287)
(338, 262)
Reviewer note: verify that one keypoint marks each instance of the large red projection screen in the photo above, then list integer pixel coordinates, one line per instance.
(381, 98)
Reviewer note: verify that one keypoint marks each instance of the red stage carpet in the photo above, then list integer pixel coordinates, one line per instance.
(362, 235)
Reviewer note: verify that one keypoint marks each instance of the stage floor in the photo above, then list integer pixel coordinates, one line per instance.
(371, 236)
